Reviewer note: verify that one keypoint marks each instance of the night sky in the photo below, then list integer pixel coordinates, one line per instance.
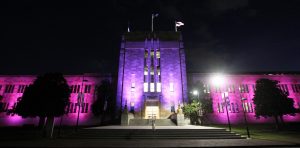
(84, 37)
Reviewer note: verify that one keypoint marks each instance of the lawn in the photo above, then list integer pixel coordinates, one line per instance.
(287, 133)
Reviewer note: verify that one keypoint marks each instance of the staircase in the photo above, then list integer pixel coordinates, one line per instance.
(153, 134)
(148, 122)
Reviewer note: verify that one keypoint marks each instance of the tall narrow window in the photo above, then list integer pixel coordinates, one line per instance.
(151, 87)
(158, 87)
(146, 54)
(171, 87)
(152, 70)
(158, 70)
(145, 87)
(146, 70)
(132, 87)
(157, 54)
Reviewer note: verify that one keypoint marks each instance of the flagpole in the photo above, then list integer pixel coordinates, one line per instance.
(175, 27)
(152, 22)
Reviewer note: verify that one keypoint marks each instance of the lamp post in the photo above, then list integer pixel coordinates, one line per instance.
(226, 107)
(245, 118)
(80, 100)
(218, 80)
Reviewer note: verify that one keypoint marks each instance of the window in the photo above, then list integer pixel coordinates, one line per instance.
(206, 88)
(152, 70)
(247, 107)
(152, 53)
(87, 89)
(75, 88)
(230, 88)
(157, 54)
(9, 88)
(132, 87)
(220, 108)
(146, 54)
(146, 70)
(21, 88)
(253, 87)
(171, 87)
(283, 87)
(145, 87)
(296, 88)
(158, 70)
(151, 87)
(243, 88)
(158, 87)
(84, 107)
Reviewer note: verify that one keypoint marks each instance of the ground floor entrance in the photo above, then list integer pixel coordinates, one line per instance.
(152, 112)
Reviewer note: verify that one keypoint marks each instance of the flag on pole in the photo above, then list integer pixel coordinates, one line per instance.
(152, 18)
(178, 24)
(154, 15)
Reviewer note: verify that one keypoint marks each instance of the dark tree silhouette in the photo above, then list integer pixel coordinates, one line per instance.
(270, 101)
(46, 97)
(104, 103)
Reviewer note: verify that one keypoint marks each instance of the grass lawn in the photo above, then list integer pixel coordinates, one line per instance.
(288, 133)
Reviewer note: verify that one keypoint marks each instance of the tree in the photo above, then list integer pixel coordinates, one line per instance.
(191, 109)
(104, 103)
(46, 97)
(270, 101)
(200, 104)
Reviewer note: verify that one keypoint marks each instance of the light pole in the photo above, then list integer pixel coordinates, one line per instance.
(245, 118)
(226, 107)
(80, 100)
(218, 80)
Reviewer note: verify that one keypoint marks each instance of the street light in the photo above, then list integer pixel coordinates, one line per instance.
(218, 80)
(80, 100)
(245, 118)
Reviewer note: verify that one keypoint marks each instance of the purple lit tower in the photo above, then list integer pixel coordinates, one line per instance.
(152, 74)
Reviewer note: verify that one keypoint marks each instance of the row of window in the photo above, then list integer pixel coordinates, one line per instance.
(243, 88)
(73, 107)
(21, 88)
(154, 80)
(76, 88)
(296, 88)
(234, 107)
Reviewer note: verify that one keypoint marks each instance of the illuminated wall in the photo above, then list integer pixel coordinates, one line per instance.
(12, 87)
(242, 86)
(151, 68)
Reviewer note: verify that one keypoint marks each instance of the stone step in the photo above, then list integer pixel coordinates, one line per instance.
(148, 122)
(150, 134)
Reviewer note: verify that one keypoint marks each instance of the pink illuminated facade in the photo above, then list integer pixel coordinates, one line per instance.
(238, 86)
(12, 87)
(152, 81)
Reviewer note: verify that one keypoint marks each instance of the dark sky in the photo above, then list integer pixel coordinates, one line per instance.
(84, 37)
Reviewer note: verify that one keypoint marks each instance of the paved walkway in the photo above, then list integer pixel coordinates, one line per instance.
(145, 143)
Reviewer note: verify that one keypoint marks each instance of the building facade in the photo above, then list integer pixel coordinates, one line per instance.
(239, 91)
(152, 82)
(13, 87)
(152, 75)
